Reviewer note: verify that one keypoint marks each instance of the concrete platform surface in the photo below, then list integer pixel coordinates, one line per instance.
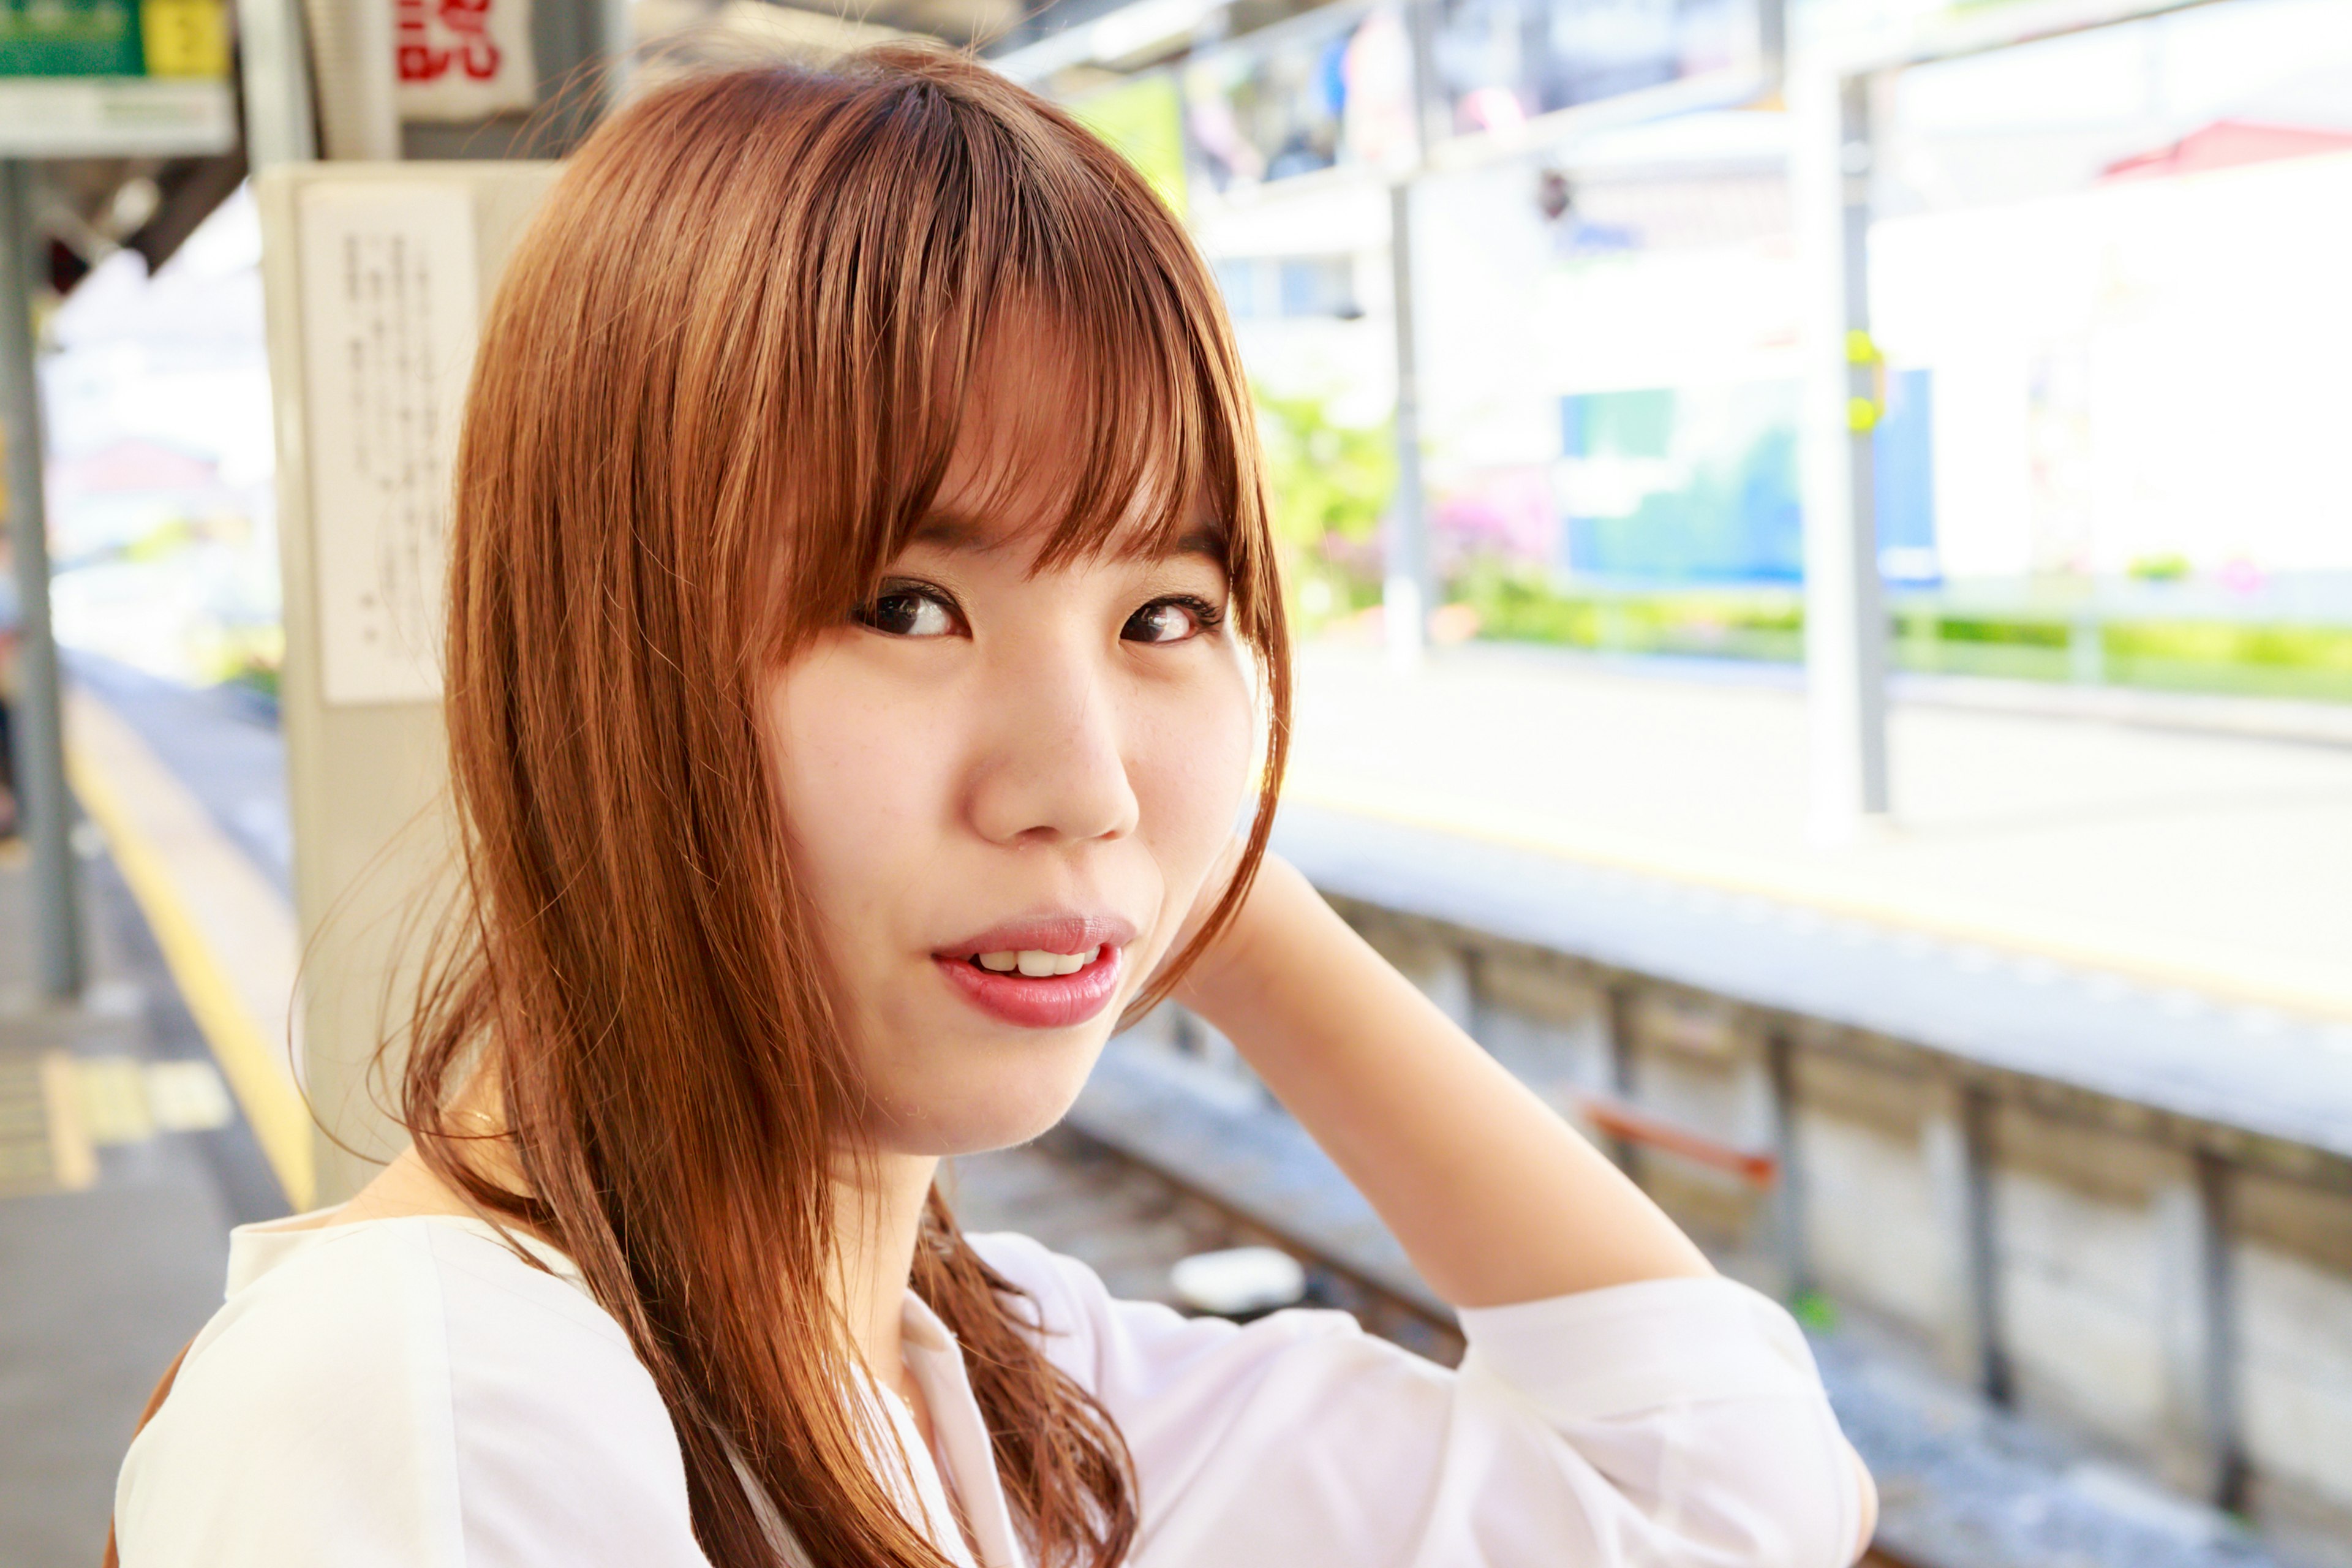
(2219, 863)
(112, 1256)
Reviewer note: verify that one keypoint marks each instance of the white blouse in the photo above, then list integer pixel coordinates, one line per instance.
(410, 1393)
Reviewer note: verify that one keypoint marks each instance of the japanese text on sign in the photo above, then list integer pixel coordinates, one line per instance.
(464, 59)
(388, 327)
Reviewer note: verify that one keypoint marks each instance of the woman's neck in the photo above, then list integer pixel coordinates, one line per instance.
(878, 1220)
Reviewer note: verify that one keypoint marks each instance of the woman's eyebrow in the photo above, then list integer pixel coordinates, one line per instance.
(950, 530)
(1202, 539)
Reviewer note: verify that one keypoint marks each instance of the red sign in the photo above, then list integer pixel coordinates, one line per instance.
(437, 37)
(463, 60)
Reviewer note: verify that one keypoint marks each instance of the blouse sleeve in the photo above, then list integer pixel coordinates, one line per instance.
(1672, 1422)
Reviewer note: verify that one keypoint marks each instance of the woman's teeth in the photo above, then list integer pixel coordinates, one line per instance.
(1035, 964)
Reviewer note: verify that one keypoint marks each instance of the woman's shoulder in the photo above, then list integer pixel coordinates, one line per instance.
(420, 1295)
(355, 1372)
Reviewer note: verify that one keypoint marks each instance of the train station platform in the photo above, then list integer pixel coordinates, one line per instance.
(123, 1162)
(1489, 764)
(2163, 841)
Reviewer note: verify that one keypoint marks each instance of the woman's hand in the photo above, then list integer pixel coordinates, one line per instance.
(1495, 1197)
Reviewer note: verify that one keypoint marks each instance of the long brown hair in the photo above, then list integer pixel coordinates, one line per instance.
(717, 389)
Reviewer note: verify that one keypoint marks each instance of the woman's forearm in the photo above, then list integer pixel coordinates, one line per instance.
(1494, 1196)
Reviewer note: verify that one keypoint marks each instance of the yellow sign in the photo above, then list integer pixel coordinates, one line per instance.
(185, 38)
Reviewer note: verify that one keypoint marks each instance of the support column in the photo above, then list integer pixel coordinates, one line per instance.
(2202, 1450)
(353, 44)
(275, 70)
(1845, 617)
(1405, 590)
(617, 26)
(1624, 1071)
(1786, 1210)
(1956, 1143)
(43, 804)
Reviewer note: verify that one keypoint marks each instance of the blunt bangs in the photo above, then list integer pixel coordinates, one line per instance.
(953, 231)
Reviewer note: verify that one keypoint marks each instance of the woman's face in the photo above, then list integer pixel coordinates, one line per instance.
(1003, 789)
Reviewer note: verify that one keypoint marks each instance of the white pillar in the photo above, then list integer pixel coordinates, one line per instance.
(1405, 588)
(276, 84)
(617, 23)
(1846, 630)
(352, 44)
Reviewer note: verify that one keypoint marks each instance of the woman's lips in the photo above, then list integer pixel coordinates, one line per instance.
(1040, 1001)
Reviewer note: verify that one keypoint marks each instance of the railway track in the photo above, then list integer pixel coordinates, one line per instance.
(1130, 1207)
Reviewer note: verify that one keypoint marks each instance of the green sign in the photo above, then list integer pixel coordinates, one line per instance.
(187, 39)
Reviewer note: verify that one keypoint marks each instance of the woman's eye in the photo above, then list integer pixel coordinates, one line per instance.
(908, 613)
(1169, 621)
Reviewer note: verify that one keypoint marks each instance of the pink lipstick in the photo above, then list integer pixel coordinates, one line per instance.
(1049, 972)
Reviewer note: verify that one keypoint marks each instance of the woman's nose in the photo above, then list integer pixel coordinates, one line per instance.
(1052, 766)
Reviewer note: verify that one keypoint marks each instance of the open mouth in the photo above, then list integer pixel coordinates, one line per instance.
(1037, 988)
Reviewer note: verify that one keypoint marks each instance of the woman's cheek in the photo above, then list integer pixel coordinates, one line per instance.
(859, 772)
(1203, 772)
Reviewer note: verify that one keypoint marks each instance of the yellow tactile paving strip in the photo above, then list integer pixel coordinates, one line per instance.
(56, 1109)
(226, 934)
(26, 1163)
(73, 1160)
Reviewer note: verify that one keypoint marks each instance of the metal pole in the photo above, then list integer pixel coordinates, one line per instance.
(275, 71)
(46, 809)
(1845, 617)
(1405, 591)
(352, 42)
(617, 23)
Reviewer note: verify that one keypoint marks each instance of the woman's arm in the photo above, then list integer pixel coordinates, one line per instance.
(1495, 1197)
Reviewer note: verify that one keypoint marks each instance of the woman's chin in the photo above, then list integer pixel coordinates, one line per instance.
(997, 1113)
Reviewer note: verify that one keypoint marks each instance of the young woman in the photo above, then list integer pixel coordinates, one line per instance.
(864, 635)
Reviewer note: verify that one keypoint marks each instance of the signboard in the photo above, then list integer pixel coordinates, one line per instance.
(462, 60)
(114, 79)
(371, 277)
(1333, 89)
(389, 307)
(112, 37)
(1501, 63)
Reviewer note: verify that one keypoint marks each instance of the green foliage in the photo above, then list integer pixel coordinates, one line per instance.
(2283, 646)
(2251, 658)
(163, 541)
(1142, 119)
(2161, 568)
(1326, 479)
(256, 675)
(1515, 607)
(2002, 630)
(1815, 1311)
(1519, 604)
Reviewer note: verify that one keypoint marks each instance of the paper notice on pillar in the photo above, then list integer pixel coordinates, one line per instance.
(388, 328)
(464, 59)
